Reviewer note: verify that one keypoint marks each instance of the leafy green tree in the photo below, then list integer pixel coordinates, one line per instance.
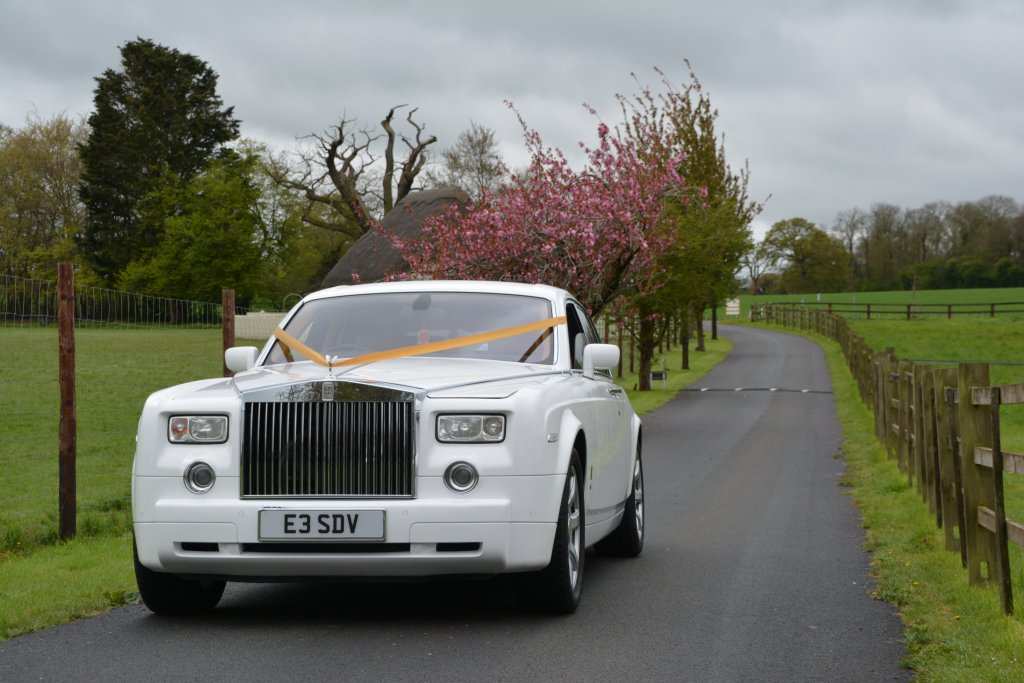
(885, 246)
(158, 120)
(1007, 273)
(939, 245)
(209, 236)
(808, 258)
(713, 220)
(39, 208)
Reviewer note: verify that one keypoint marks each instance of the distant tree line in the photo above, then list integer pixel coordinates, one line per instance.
(941, 245)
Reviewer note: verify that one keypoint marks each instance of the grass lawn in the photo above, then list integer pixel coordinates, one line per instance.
(115, 370)
(921, 296)
(943, 343)
(43, 582)
(56, 584)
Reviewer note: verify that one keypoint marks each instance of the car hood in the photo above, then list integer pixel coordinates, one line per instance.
(449, 377)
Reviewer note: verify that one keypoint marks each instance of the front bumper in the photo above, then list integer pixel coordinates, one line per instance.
(506, 524)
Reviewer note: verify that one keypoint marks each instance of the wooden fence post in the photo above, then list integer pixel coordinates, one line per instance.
(944, 381)
(975, 430)
(227, 304)
(929, 449)
(958, 462)
(903, 420)
(67, 485)
(878, 394)
(891, 402)
(1002, 565)
(921, 438)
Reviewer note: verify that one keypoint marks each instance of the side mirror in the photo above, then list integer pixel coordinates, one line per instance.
(599, 357)
(239, 358)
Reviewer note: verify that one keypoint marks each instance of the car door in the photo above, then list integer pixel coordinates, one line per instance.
(605, 414)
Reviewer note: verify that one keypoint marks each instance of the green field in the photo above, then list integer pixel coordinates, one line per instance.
(921, 296)
(115, 370)
(943, 343)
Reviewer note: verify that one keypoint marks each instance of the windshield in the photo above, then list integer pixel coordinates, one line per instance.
(348, 326)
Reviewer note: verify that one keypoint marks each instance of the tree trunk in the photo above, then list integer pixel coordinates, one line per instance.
(700, 330)
(714, 321)
(647, 343)
(632, 345)
(686, 341)
(622, 347)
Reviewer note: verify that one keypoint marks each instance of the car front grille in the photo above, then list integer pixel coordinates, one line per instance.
(328, 448)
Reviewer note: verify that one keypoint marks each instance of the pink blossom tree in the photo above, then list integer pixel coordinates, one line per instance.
(598, 232)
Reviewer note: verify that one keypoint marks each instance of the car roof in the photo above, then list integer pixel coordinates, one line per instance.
(481, 286)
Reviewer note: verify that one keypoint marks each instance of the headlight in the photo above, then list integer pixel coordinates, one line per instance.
(470, 428)
(198, 429)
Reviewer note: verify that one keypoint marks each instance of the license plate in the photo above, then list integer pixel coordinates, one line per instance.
(321, 525)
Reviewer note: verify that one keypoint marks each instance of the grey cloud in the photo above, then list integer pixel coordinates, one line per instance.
(835, 104)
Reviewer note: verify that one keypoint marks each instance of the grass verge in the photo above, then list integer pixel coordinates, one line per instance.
(46, 585)
(59, 583)
(700, 362)
(955, 632)
(116, 369)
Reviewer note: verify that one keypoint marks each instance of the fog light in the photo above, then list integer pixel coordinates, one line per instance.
(199, 477)
(460, 477)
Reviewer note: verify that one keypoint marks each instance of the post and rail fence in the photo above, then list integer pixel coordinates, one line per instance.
(942, 426)
(869, 311)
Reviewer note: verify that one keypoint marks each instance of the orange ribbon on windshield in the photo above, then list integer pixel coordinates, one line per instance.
(290, 342)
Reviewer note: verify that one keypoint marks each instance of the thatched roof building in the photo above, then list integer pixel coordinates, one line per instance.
(373, 256)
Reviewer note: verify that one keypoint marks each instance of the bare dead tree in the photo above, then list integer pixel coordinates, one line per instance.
(758, 263)
(338, 173)
(472, 163)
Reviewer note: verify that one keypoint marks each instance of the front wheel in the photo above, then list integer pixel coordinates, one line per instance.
(557, 587)
(169, 594)
(628, 538)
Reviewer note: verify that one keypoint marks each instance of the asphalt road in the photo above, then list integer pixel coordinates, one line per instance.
(753, 571)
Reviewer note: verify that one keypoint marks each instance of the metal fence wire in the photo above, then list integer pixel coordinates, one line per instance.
(127, 346)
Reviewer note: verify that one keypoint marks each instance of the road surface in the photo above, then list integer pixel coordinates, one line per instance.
(753, 571)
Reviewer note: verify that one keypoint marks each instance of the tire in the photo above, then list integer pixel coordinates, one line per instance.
(628, 538)
(169, 594)
(557, 588)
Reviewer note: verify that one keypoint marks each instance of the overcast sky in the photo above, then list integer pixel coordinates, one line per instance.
(834, 104)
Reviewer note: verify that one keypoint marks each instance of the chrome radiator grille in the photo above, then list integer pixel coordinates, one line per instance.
(307, 449)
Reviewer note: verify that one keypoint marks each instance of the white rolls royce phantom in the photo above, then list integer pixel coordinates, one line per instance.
(406, 429)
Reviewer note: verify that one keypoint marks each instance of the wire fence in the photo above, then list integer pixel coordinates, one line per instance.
(127, 345)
